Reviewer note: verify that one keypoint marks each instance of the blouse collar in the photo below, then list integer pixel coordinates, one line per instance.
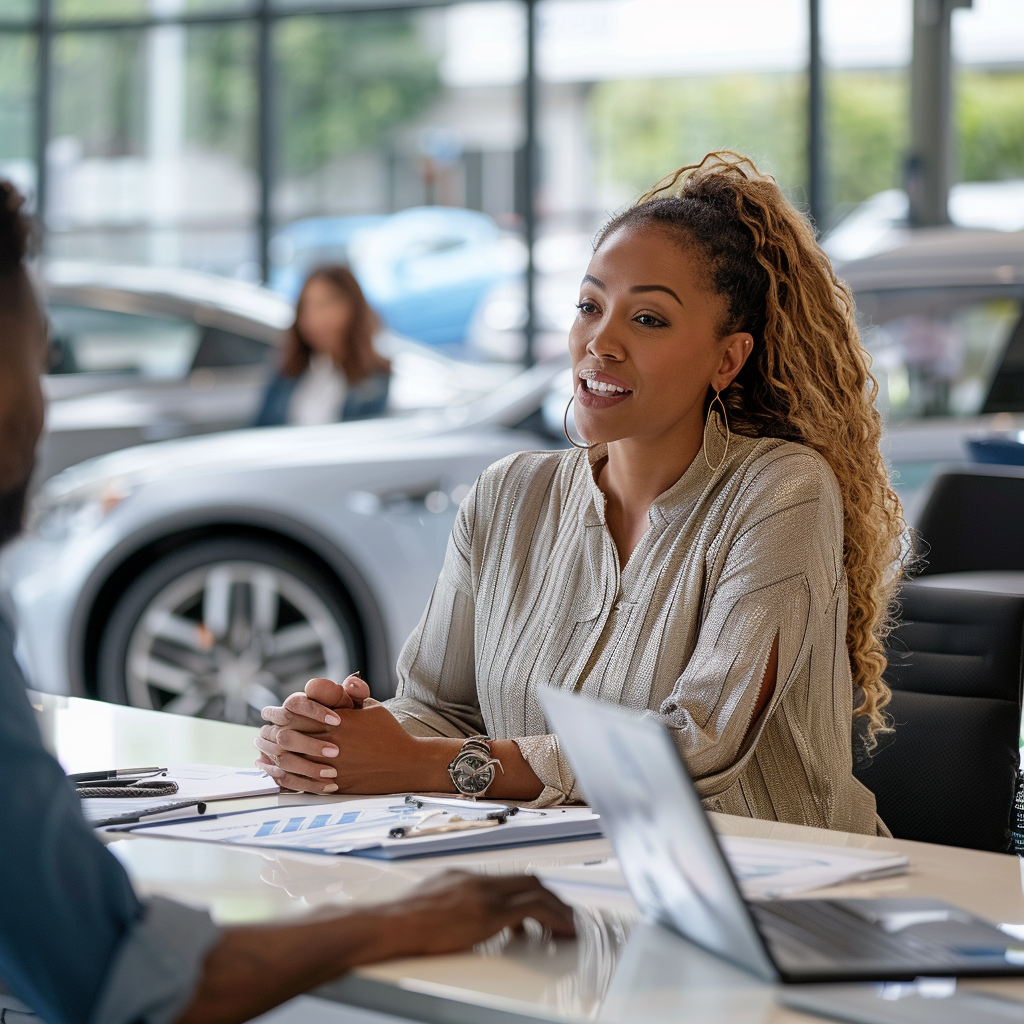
(682, 497)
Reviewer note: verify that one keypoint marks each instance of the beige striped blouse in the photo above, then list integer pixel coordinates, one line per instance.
(532, 594)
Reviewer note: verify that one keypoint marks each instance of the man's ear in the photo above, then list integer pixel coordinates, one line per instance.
(736, 352)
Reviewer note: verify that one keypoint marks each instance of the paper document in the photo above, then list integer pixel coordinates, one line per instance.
(196, 782)
(765, 868)
(369, 827)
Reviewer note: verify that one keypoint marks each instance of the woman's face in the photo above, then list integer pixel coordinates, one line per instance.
(325, 316)
(645, 343)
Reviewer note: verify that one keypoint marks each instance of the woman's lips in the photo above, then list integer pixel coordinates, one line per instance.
(596, 400)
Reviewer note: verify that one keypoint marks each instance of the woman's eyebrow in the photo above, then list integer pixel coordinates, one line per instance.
(593, 280)
(655, 288)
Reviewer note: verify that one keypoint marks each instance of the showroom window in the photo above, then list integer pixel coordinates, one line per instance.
(257, 138)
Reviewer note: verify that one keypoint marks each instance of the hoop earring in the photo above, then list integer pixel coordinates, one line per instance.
(565, 428)
(725, 417)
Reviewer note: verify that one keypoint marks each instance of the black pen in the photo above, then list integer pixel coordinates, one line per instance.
(128, 818)
(116, 773)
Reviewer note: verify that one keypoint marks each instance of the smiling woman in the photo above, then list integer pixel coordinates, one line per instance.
(720, 553)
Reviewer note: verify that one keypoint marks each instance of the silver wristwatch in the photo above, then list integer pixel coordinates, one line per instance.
(473, 769)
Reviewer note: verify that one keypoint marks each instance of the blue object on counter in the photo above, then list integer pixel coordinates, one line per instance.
(1000, 450)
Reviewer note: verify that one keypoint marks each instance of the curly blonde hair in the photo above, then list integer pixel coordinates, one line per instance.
(807, 379)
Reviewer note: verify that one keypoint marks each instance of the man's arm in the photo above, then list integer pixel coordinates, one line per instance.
(66, 904)
(253, 969)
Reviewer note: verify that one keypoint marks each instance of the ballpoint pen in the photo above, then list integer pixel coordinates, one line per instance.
(134, 816)
(116, 773)
(453, 824)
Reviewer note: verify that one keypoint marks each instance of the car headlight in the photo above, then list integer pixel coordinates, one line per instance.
(57, 514)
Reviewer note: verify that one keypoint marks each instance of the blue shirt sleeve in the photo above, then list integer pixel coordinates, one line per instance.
(65, 901)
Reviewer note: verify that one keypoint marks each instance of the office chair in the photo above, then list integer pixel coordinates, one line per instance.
(948, 773)
(970, 521)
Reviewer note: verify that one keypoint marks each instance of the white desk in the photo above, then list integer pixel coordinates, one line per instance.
(617, 970)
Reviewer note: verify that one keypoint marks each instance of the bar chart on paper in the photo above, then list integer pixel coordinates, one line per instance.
(387, 827)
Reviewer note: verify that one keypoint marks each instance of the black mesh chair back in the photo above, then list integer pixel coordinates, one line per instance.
(971, 521)
(948, 774)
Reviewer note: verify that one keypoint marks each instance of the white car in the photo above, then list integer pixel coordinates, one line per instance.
(214, 575)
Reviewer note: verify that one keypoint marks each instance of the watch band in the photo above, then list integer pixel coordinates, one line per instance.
(473, 770)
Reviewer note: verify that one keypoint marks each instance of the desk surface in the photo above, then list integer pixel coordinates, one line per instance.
(617, 970)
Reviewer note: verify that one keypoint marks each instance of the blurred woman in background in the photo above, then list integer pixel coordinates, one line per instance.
(329, 371)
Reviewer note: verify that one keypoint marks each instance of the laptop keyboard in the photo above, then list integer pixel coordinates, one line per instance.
(836, 934)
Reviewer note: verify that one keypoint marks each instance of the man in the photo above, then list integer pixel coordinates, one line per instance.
(77, 946)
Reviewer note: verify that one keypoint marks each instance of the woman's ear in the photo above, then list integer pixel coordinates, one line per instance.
(736, 352)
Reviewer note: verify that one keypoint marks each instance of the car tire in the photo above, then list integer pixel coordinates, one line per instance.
(223, 627)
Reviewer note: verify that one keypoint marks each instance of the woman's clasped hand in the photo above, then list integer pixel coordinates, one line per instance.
(335, 738)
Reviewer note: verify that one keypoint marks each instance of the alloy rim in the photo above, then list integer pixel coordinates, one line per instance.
(225, 640)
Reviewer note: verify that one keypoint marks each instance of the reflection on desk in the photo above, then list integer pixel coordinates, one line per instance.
(617, 971)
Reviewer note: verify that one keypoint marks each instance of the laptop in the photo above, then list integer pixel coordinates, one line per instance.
(632, 774)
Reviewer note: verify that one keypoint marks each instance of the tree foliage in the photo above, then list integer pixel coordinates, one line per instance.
(990, 125)
(344, 82)
(644, 129)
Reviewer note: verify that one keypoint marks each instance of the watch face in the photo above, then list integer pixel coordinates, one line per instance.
(471, 773)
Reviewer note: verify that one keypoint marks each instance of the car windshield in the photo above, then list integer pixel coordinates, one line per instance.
(936, 353)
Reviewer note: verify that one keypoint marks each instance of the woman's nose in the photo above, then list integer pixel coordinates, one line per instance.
(605, 344)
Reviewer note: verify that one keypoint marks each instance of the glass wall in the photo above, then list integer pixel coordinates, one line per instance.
(630, 90)
(17, 108)
(866, 49)
(255, 138)
(390, 159)
(151, 154)
(988, 45)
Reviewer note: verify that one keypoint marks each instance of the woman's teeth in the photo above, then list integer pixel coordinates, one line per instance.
(598, 387)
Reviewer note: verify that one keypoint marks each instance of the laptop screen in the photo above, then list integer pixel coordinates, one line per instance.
(633, 776)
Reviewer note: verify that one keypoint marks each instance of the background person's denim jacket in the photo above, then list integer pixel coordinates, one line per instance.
(363, 401)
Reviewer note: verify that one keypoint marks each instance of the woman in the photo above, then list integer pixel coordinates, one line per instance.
(330, 371)
(723, 554)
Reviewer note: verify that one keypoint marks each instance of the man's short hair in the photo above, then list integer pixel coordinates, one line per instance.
(15, 231)
(16, 238)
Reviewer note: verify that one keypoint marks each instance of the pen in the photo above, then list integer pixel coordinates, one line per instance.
(454, 825)
(129, 818)
(115, 773)
(460, 805)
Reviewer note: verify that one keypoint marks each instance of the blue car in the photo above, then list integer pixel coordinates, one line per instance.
(424, 270)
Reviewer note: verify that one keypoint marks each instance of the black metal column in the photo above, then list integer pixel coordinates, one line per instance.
(44, 68)
(816, 200)
(530, 176)
(264, 134)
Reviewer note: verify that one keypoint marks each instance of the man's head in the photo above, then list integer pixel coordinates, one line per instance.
(22, 358)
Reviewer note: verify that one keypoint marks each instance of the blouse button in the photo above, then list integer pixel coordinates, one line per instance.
(670, 708)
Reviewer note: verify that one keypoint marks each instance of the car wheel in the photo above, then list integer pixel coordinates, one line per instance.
(223, 628)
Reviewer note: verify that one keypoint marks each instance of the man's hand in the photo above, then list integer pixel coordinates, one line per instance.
(255, 968)
(455, 910)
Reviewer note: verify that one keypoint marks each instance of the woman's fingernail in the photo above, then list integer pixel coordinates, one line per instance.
(272, 769)
(328, 773)
(332, 788)
(330, 751)
(332, 720)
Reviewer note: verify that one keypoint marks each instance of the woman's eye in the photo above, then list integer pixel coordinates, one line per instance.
(586, 307)
(648, 320)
